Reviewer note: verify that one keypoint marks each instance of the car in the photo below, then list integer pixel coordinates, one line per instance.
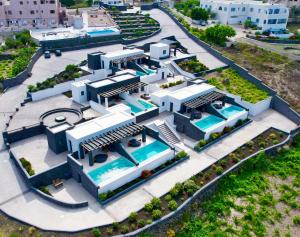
(47, 54)
(57, 53)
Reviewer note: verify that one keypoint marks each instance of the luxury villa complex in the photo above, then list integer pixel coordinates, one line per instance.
(266, 16)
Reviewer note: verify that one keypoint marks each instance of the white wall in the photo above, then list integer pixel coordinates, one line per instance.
(159, 50)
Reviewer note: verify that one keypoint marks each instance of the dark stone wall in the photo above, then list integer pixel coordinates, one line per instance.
(147, 115)
(184, 125)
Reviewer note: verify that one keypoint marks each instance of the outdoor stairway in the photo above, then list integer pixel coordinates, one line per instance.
(172, 69)
(169, 135)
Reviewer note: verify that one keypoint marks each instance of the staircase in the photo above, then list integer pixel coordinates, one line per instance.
(168, 134)
(172, 69)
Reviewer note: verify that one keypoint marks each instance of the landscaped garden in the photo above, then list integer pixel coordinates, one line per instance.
(135, 25)
(70, 73)
(185, 7)
(192, 66)
(230, 81)
(171, 84)
(273, 69)
(260, 199)
(15, 55)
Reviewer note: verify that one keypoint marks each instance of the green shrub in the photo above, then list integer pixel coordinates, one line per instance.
(124, 229)
(133, 217)
(156, 202)
(141, 223)
(149, 221)
(27, 166)
(296, 220)
(96, 232)
(190, 187)
(172, 205)
(192, 66)
(176, 190)
(201, 143)
(214, 136)
(156, 214)
(219, 170)
(102, 196)
(115, 225)
(250, 143)
(148, 207)
(168, 198)
(180, 155)
(45, 190)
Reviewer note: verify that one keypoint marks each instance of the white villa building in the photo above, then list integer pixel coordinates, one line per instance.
(265, 15)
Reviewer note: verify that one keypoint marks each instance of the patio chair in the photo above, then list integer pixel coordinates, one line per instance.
(57, 183)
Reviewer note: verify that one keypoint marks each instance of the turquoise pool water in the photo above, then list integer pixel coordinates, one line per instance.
(208, 122)
(134, 109)
(231, 110)
(149, 71)
(110, 169)
(149, 150)
(139, 73)
(145, 104)
(100, 32)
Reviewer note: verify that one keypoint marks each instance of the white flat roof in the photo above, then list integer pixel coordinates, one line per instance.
(100, 83)
(80, 83)
(99, 124)
(123, 77)
(160, 45)
(190, 91)
(123, 53)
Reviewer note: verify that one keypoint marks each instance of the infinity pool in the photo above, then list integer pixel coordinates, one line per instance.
(146, 104)
(231, 110)
(208, 122)
(100, 32)
(134, 109)
(149, 150)
(110, 169)
(121, 164)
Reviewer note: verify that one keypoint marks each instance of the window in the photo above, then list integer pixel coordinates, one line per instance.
(257, 20)
(265, 21)
(31, 12)
(259, 10)
(0, 3)
(164, 51)
(9, 12)
(272, 21)
(35, 2)
(276, 11)
(232, 9)
(163, 104)
(52, 11)
(281, 21)
(52, 2)
(21, 2)
(220, 8)
(270, 11)
(42, 1)
(20, 12)
(251, 9)
(244, 9)
(225, 9)
(82, 93)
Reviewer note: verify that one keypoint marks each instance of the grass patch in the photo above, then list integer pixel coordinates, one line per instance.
(230, 81)
(192, 66)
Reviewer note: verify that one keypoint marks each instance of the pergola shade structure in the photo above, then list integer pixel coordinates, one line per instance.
(109, 138)
(123, 88)
(204, 100)
(128, 58)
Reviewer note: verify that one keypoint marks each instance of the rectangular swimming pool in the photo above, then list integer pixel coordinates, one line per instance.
(149, 150)
(231, 110)
(100, 32)
(134, 109)
(110, 169)
(208, 122)
(146, 104)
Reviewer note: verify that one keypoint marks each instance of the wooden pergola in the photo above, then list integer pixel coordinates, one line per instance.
(204, 100)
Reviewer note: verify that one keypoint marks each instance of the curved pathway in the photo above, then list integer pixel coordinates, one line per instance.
(17, 201)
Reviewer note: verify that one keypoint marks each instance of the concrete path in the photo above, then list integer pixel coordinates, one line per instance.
(17, 201)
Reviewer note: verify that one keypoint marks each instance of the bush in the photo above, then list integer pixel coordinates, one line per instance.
(146, 174)
(156, 203)
(102, 196)
(133, 217)
(176, 190)
(156, 214)
(148, 207)
(109, 231)
(218, 34)
(226, 130)
(234, 157)
(96, 232)
(115, 225)
(296, 220)
(168, 198)
(201, 143)
(199, 14)
(214, 136)
(172, 205)
(190, 187)
(250, 144)
(219, 170)
(192, 66)
(149, 221)
(141, 223)
(180, 155)
(171, 233)
(45, 190)
(27, 166)
(124, 229)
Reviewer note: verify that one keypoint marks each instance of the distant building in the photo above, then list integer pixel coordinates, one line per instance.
(287, 3)
(113, 2)
(16, 14)
(265, 15)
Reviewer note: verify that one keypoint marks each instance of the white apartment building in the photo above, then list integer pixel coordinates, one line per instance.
(265, 15)
(16, 14)
(113, 2)
(287, 3)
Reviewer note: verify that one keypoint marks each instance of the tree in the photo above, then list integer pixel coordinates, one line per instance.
(199, 14)
(218, 34)
(247, 24)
